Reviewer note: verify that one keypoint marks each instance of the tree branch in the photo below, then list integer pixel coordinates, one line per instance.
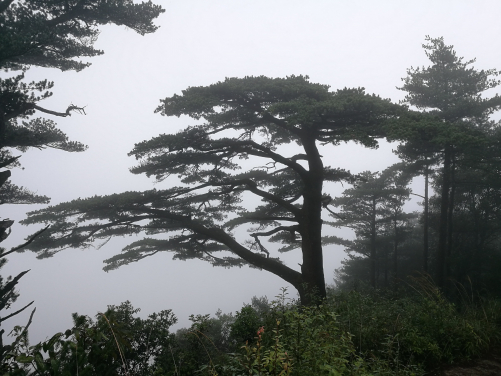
(261, 247)
(214, 257)
(251, 186)
(266, 218)
(219, 235)
(9, 161)
(25, 330)
(277, 200)
(271, 154)
(277, 229)
(15, 313)
(415, 194)
(25, 244)
(334, 213)
(73, 13)
(273, 266)
(62, 114)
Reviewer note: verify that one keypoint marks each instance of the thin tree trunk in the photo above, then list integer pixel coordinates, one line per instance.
(386, 268)
(426, 215)
(450, 215)
(442, 229)
(395, 253)
(373, 244)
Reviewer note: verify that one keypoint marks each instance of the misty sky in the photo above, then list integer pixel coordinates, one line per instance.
(339, 43)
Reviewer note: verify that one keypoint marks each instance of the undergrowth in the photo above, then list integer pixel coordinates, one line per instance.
(356, 333)
(367, 333)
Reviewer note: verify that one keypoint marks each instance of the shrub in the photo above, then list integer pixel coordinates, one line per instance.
(421, 329)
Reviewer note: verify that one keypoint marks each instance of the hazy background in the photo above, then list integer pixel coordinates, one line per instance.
(340, 43)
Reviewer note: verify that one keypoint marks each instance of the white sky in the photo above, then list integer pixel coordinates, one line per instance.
(340, 43)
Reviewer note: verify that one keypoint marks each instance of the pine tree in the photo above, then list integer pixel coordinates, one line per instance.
(450, 92)
(373, 208)
(250, 118)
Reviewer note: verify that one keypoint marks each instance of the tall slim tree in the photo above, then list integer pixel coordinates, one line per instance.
(373, 208)
(420, 156)
(249, 118)
(451, 91)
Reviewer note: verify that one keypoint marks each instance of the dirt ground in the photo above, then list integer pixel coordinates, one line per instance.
(490, 366)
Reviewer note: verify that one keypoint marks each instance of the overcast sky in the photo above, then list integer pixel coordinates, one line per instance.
(339, 43)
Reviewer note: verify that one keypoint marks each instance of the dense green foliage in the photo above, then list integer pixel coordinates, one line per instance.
(367, 333)
(116, 343)
(351, 333)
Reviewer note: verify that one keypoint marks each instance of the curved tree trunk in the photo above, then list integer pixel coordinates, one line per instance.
(312, 269)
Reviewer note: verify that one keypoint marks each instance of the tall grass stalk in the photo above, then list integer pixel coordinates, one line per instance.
(118, 345)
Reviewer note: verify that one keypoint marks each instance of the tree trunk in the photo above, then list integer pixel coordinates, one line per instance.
(395, 252)
(442, 230)
(313, 290)
(450, 214)
(373, 244)
(386, 268)
(426, 215)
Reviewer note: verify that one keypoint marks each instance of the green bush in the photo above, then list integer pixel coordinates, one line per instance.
(369, 333)
(421, 329)
(301, 341)
(244, 328)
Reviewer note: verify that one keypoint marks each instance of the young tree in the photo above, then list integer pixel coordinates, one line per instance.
(420, 156)
(249, 118)
(373, 208)
(451, 92)
(361, 210)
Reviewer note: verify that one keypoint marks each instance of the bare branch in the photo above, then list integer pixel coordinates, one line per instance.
(277, 229)
(334, 213)
(415, 194)
(214, 257)
(15, 313)
(25, 330)
(261, 247)
(80, 110)
(24, 244)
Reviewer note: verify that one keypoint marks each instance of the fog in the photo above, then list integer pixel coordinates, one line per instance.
(339, 43)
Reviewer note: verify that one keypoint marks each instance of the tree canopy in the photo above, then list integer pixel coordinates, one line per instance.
(454, 143)
(452, 93)
(373, 208)
(279, 199)
(52, 34)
